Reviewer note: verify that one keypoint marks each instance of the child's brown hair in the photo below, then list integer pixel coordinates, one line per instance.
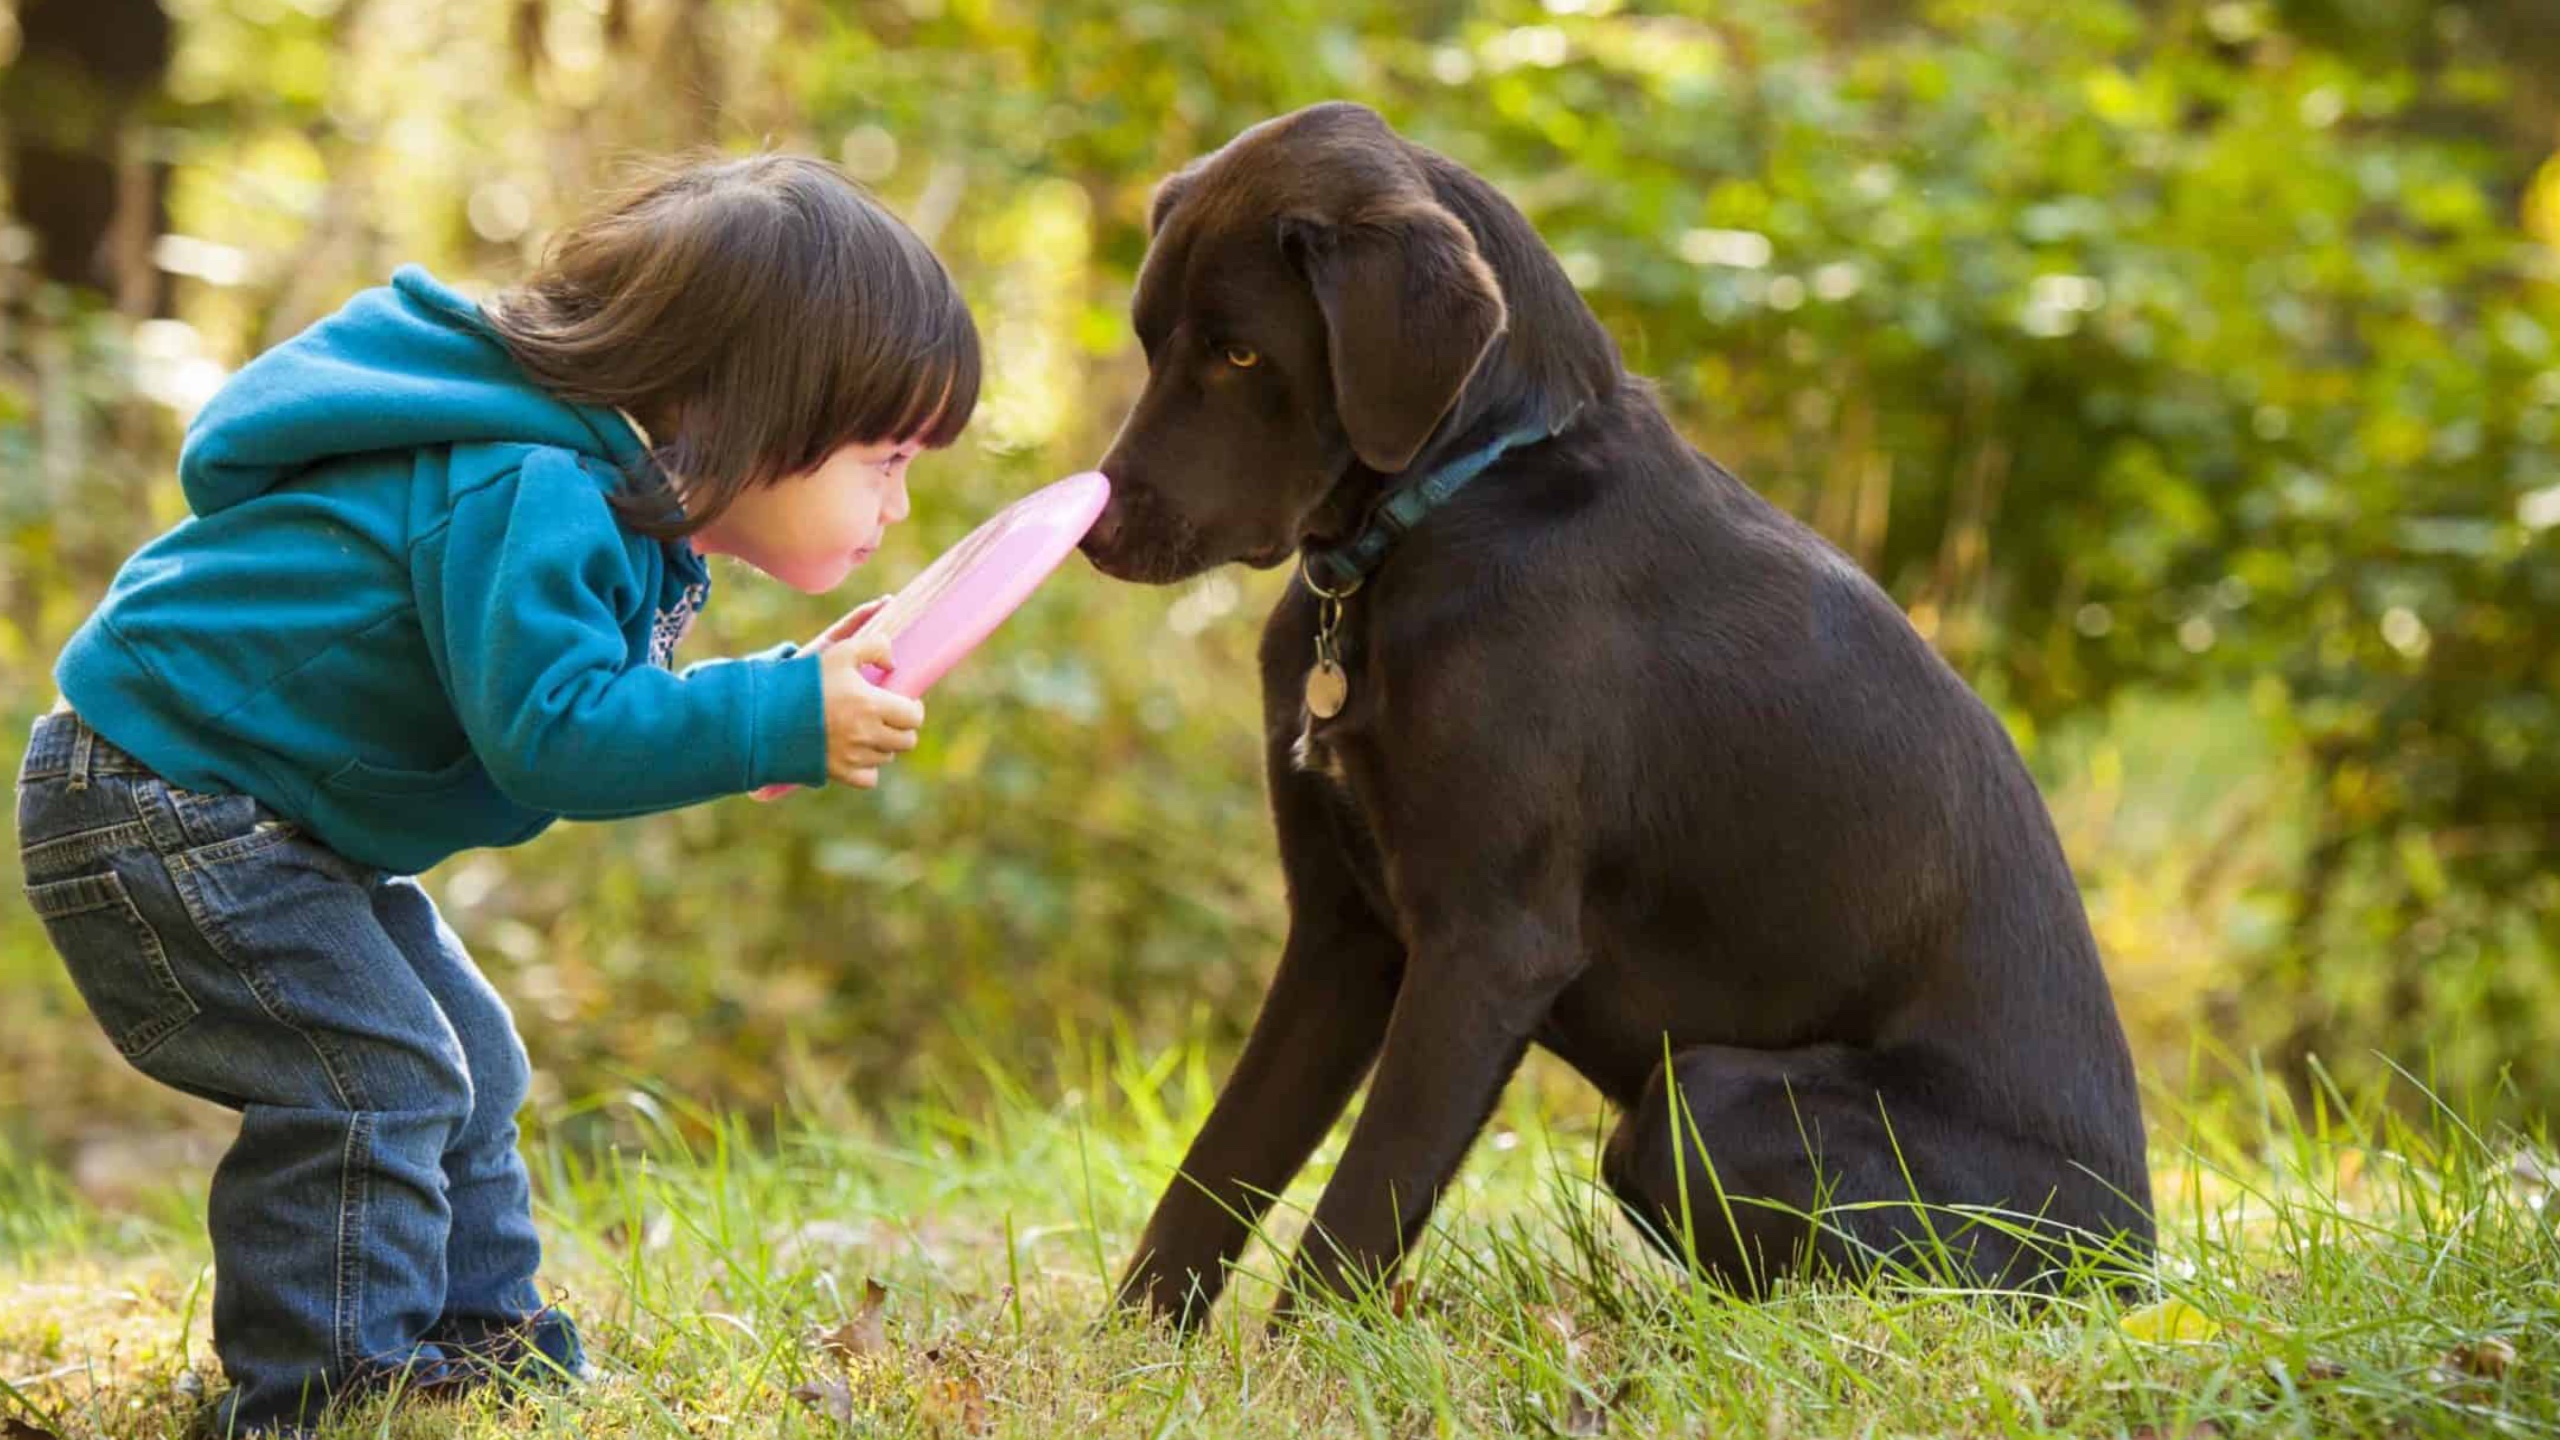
(754, 315)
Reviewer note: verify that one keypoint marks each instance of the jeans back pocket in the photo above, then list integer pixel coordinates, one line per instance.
(115, 958)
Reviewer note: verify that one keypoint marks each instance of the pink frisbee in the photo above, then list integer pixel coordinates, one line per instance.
(959, 600)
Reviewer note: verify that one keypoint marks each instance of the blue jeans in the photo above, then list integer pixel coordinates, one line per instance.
(373, 1220)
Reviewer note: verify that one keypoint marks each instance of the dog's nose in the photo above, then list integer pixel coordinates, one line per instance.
(1105, 529)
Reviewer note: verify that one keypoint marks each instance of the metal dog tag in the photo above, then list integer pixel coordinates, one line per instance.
(1327, 688)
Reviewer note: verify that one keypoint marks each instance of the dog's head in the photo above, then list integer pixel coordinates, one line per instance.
(1321, 302)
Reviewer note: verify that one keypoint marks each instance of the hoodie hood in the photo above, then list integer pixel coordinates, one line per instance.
(403, 366)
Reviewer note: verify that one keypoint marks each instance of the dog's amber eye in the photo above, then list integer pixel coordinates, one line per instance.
(1243, 358)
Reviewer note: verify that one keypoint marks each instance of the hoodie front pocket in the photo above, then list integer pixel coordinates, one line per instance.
(360, 778)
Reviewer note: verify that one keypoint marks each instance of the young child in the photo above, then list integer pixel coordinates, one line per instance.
(440, 558)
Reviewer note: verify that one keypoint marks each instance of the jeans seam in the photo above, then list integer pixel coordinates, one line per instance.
(46, 856)
(98, 765)
(350, 1093)
(238, 847)
(354, 1195)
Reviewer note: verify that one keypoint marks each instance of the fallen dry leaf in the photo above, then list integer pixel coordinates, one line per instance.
(2170, 1322)
(830, 1397)
(950, 1397)
(2488, 1358)
(956, 1402)
(867, 1333)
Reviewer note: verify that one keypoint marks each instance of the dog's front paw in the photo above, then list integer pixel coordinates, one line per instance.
(1165, 1294)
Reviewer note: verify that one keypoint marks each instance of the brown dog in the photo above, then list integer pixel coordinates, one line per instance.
(1596, 749)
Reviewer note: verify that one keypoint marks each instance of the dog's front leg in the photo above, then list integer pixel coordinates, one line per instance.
(1318, 1030)
(1472, 997)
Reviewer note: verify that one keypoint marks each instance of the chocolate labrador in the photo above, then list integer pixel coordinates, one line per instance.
(1576, 741)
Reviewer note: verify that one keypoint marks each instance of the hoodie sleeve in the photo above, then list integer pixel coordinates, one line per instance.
(535, 578)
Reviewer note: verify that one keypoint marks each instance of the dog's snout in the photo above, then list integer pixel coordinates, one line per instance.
(1105, 530)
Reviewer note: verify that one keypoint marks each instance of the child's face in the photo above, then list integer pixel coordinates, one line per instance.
(809, 530)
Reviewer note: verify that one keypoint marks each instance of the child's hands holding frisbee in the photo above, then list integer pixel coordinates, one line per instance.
(940, 616)
(827, 639)
(867, 726)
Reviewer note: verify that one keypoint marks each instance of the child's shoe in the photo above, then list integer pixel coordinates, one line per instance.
(430, 1373)
(542, 1348)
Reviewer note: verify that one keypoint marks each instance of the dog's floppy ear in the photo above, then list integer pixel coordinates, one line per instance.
(1168, 194)
(1410, 308)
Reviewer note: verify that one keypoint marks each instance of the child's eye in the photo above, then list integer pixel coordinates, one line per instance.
(1243, 357)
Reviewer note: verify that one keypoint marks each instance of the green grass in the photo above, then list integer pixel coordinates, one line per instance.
(2352, 1270)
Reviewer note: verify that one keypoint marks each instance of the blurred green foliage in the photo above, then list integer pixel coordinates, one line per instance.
(2143, 350)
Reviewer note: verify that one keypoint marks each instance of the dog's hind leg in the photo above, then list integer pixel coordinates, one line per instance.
(1756, 1165)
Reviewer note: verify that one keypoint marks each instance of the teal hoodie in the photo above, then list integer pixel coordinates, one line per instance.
(405, 616)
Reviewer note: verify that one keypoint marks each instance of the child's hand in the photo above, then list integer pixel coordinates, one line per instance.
(866, 725)
(827, 639)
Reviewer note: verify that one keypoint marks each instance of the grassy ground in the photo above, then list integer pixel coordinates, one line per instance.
(2341, 1273)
